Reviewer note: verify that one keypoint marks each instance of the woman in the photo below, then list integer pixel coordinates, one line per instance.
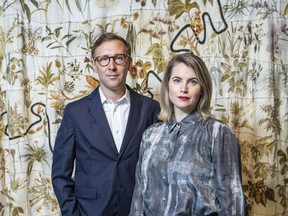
(190, 163)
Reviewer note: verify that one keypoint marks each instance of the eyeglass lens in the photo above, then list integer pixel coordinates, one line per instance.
(119, 59)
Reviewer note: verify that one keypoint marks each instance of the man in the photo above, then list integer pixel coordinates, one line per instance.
(101, 133)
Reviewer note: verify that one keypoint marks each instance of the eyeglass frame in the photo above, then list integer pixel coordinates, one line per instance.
(113, 57)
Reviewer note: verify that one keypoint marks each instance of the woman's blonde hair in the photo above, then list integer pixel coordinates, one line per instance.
(201, 72)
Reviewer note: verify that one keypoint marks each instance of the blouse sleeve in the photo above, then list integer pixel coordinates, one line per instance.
(137, 208)
(228, 180)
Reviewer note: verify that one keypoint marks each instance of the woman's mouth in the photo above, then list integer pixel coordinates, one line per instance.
(183, 98)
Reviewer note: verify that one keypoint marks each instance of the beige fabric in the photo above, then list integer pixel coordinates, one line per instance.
(44, 64)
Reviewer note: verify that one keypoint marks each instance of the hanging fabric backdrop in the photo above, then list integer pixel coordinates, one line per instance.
(45, 64)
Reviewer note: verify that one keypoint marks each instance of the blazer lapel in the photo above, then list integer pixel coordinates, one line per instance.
(132, 120)
(97, 112)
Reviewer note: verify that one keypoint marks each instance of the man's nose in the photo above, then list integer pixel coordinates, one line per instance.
(112, 64)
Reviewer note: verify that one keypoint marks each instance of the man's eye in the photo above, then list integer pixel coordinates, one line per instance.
(104, 58)
(120, 57)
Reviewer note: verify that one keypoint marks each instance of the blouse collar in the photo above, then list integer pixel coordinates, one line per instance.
(186, 122)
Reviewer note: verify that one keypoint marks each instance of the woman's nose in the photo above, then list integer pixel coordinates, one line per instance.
(184, 88)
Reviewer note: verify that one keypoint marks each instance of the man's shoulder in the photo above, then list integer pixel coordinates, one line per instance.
(148, 99)
(149, 103)
(143, 98)
(81, 101)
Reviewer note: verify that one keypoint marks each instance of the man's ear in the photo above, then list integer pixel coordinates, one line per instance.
(130, 64)
(93, 63)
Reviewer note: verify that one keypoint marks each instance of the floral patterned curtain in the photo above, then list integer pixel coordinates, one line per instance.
(45, 64)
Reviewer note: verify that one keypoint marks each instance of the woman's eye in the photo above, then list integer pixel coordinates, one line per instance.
(193, 82)
(176, 80)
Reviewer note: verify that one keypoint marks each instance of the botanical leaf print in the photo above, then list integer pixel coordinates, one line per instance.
(47, 77)
(45, 63)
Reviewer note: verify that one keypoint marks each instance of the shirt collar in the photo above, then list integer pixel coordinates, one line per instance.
(186, 122)
(125, 97)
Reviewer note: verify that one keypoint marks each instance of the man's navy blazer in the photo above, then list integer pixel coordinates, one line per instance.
(103, 182)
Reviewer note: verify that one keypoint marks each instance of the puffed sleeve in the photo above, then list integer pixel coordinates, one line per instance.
(137, 208)
(227, 166)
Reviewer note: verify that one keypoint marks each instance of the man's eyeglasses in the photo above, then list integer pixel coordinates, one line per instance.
(119, 59)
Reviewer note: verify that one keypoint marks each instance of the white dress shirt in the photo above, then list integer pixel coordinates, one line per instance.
(117, 115)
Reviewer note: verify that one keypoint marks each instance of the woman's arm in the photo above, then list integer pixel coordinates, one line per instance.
(228, 179)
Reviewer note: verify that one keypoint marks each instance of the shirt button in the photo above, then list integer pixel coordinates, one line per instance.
(164, 199)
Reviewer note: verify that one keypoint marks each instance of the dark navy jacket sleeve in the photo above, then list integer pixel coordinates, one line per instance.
(62, 166)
